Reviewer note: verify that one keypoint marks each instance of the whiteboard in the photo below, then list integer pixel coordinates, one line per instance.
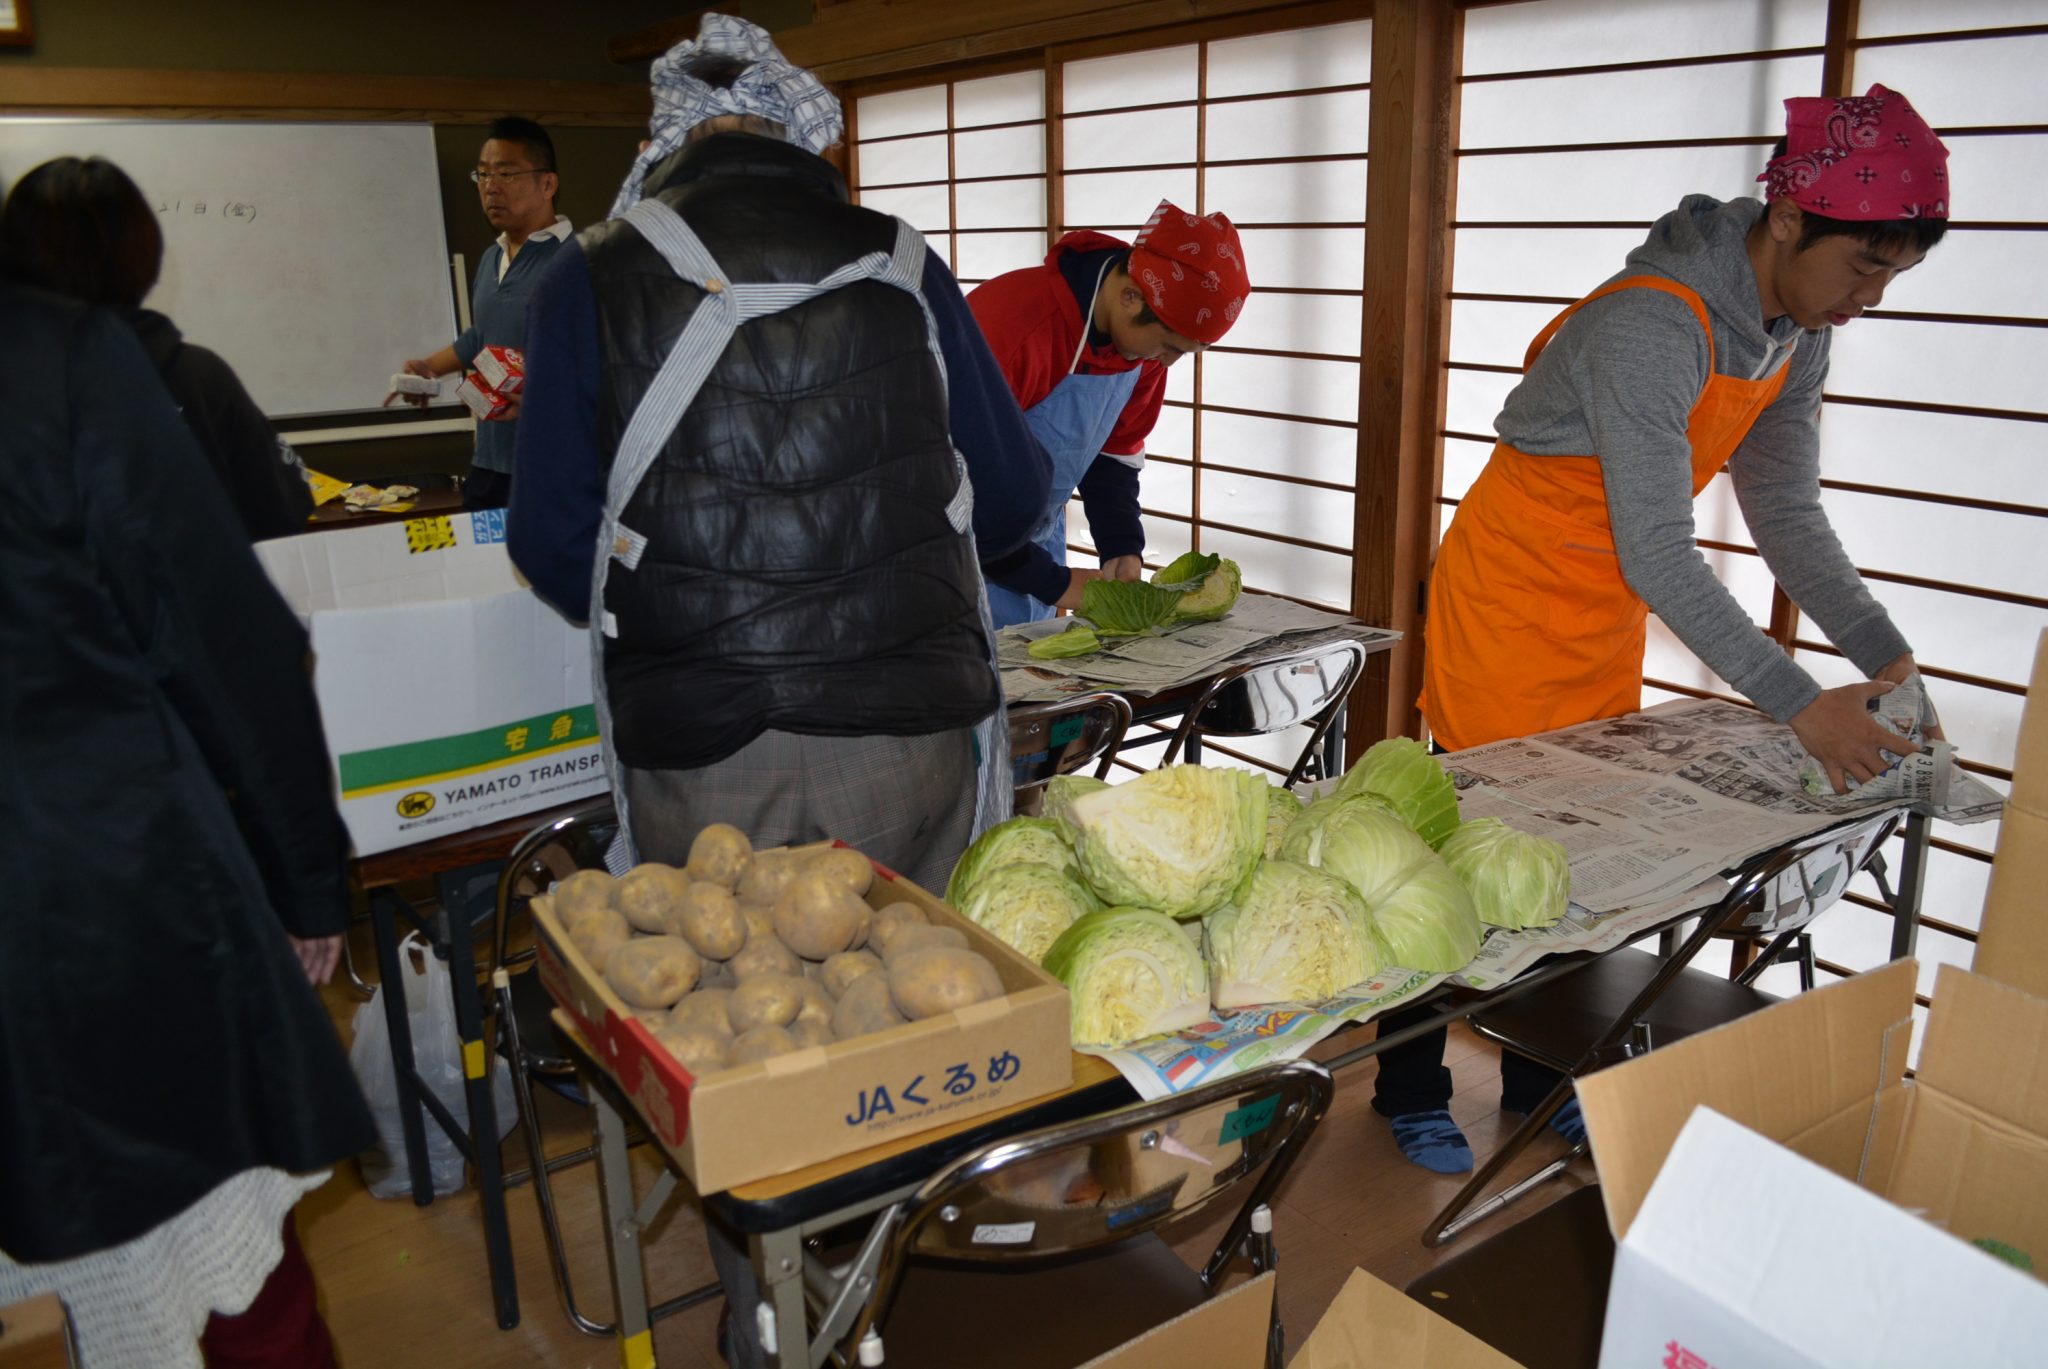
(312, 256)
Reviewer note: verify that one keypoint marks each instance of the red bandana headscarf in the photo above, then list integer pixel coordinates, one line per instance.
(1862, 160)
(1191, 270)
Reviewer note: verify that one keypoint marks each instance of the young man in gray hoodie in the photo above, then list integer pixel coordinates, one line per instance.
(1709, 349)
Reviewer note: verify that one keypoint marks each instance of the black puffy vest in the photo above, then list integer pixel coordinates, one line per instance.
(800, 573)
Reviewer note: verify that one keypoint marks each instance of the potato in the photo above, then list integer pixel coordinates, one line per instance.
(807, 1034)
(759, 917)
(651, 1018)
(892, 920)
(647, 895)
(842, 969)
(846, 865)
(765, 1000)
(700, 1050)
(817, 1004)
(865, 1007)
(760, 1044)
(652, 971)
(926, 983)
(598, 933)
(765, 877)
(584, 891)
(924, 939)
(705, 1009)
(709, 919)
(716, 974)
(764, 955)
(719, 855)
(816, 917)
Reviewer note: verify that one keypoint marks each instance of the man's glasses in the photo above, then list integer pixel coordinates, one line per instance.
(486, 177)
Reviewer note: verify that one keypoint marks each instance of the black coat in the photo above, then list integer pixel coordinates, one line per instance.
(259, 470)
(166, 813)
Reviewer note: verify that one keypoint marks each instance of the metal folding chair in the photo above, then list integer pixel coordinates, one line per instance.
(989, 1260)
(1063, 735)
(1622, 1005)
(526, 1032)
(1252, 698)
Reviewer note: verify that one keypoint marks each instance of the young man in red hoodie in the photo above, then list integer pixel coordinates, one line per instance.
(1084, 340)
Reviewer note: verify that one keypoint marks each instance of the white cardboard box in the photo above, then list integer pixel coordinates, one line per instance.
(1746, 1254)
(452, 696)
(1832, 1227)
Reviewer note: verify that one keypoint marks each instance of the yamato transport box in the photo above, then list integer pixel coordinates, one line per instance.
(773, 1116)
(451, 695)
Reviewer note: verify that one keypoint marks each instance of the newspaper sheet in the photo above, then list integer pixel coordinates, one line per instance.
(1651, 806)
(1176, 655)
(1231, 1043)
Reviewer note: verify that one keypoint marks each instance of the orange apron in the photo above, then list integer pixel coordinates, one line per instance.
(1531, 625)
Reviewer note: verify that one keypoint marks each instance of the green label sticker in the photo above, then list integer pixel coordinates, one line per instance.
(1065, 730)
(1248, 1120)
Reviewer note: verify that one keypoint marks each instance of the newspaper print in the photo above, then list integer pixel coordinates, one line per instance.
(1258, 624)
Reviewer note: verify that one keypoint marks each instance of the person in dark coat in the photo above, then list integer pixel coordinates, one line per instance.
(82, 228)
(175, 862)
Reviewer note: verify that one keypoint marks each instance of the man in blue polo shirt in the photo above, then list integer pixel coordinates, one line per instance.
(515, 178)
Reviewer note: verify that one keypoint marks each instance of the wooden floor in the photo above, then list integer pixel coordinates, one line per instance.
(403, 1285)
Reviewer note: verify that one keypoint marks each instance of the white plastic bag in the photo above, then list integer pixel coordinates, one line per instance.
(437, 1053)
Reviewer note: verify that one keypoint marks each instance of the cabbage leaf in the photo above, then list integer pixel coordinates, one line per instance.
(1126, 608)
(1516, 880)
(1020, 841)
(1401, 772)
(1028, 906)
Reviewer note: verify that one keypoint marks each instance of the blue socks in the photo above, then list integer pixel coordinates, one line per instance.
(1569, 1124)
(1432, 1140)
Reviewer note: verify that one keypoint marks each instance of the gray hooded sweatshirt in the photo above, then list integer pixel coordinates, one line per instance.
(1621, 378)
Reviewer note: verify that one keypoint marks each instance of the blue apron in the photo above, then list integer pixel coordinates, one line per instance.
(1072, 423)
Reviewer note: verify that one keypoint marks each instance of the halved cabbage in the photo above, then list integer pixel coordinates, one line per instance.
(1428, 923)
(1020, 841)
(1516, 880)
(1028, 906)
(1212, 584)
(1282, 808)
(1130, 973)
(1401, 771)
(1360, 840)
(1295, 935)
(1179, 839)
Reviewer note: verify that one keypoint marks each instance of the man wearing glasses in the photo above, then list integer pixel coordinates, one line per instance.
(515, 178)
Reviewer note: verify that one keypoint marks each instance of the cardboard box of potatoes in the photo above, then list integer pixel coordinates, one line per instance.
(770, 1010)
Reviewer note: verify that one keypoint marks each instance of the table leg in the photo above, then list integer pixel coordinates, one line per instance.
(1912, 884)
(384, 927)
(621, 1235)
(483, 1115)
(779, 1271)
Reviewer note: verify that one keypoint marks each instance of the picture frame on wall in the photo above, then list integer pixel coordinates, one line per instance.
(16, 28)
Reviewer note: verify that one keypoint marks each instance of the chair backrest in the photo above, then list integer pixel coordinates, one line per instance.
(543, 856)
(1060, 736)
(1090, 1183)
(1252, 698)
(1785, 888)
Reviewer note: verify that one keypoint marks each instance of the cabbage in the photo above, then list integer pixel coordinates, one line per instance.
(1428, 923)
(1361, 841)
(1130, 973)
(1282, 808)
(1401, 771)
(1126, 608)
(1060, 793)
(1028, 906)
(1516, 880)
(1020, 841)
(1078, 640)
(1179, 839)
(1295, 935)
(1211, 584)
